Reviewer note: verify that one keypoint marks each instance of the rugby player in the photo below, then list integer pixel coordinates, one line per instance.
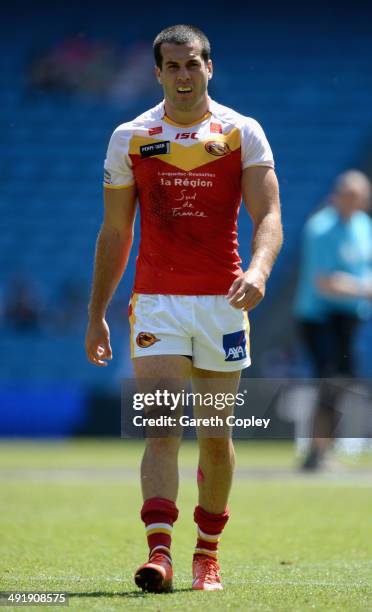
(187, 161)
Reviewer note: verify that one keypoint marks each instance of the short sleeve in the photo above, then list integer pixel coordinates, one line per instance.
(118, 167)
(256, 150)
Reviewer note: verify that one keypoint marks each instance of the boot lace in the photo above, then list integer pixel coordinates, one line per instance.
(209, 569)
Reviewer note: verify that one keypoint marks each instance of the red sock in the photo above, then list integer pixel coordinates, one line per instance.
(210, 527)
(159, 514)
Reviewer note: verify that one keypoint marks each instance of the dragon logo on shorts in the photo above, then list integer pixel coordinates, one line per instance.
(146, 339)
(218, 149)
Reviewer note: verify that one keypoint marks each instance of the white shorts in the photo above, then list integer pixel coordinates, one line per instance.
(205, 327)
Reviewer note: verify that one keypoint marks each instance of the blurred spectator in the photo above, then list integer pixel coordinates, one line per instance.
(23, 308)
(135, 76)
(79, 65)
(75, 65)
(333, 296)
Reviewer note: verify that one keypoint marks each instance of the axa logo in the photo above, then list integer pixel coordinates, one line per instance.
(185, 135)
(146, 339)
(235, 353)
(235, 346)
(218, 149)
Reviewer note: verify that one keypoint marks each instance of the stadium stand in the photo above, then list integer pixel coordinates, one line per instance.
(312, 93)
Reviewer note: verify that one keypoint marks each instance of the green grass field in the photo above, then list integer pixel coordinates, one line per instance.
(70, 522)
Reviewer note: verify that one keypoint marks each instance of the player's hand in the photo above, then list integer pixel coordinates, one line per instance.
(97, 342)
(247, 291)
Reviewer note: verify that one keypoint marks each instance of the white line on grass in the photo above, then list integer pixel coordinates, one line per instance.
(84, 581)
(355, 477)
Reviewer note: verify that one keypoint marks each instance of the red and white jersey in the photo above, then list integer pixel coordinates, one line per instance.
(188, 180)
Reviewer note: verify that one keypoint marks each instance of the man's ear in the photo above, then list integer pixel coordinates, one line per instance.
(158, 74)
(210, 69)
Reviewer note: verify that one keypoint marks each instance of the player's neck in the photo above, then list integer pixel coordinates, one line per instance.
(187, 117)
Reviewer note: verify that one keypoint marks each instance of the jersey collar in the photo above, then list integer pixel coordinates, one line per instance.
(187, 125)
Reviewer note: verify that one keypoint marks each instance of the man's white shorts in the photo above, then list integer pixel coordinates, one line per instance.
(205, 327)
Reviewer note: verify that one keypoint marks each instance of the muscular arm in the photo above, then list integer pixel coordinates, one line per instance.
(261, 197)
(341, 284)
(112, 251)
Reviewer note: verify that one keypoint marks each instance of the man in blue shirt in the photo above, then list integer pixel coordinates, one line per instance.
(334, 293)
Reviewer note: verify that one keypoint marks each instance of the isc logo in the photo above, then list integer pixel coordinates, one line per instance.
(184, 135)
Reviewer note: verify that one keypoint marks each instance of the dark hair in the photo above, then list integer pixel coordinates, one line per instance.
(181, 35)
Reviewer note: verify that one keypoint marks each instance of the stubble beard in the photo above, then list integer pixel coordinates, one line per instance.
(187, 105)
